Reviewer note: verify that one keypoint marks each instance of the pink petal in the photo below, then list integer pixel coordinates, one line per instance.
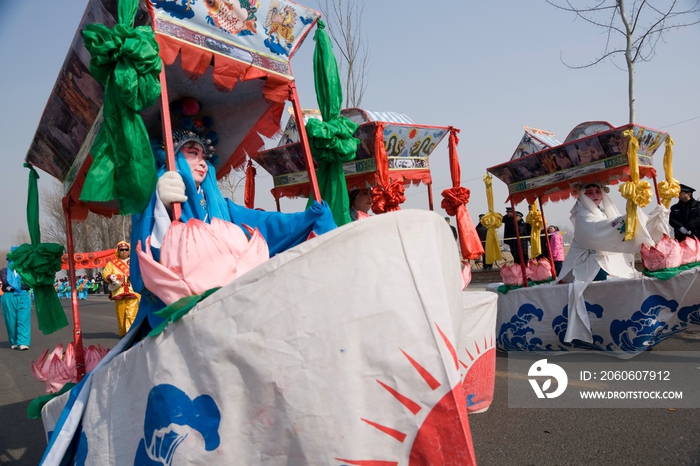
(170, 249)
(164, 283)
(59, 375)
(230, 234)
(207, 261)
(690, 250)
(37, 371)
(254, 254)
(466, 275)
(512, 274)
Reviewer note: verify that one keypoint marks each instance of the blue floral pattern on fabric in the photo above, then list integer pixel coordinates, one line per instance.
(513, 335)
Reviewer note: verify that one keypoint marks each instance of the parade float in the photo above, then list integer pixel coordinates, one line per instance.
(626, 316)
(301, 360)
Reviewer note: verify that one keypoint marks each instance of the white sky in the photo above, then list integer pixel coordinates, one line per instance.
(486, 68)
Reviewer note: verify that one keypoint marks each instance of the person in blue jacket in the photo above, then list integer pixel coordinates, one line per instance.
(16, 309)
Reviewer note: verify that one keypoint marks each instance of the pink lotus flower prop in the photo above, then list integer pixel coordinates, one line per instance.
(466, 274)
(690, 250)
(539, 271)
(666, 254)
(196, 256)
(512, 275)
(58, 368)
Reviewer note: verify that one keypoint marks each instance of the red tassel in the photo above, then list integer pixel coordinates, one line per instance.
(249, 195)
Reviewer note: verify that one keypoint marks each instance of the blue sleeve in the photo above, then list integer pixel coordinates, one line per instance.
(282, 230)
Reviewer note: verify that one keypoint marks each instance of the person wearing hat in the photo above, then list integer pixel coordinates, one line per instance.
(117, 275)
(193, 184)
(685, 215)
(510, 237)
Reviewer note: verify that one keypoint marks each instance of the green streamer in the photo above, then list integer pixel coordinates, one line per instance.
(665, 274)
(37, 264)
(331, 140)
(125, 59)
(179, 308)
(37, 404)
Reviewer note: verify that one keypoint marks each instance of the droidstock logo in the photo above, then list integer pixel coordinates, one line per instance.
(542, 369)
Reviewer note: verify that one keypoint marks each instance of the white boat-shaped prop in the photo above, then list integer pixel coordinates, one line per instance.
(626, 316)
(302, 361)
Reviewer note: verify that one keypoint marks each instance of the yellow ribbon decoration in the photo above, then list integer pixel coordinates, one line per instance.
(637, 193)
(670, 188)
(534, 218)
(492, 221)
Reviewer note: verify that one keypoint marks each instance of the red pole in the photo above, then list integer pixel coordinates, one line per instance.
(656, 189)
(430, 196)
(549, 245)
(277, 203)
(523, 266)
(168, 135)
(77, 330)
(299, 117)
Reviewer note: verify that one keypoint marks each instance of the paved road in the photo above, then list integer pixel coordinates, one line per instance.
(22, 440)
(502, 435)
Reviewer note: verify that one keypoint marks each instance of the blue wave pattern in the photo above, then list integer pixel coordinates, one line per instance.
(658, 319)
(171, 416)
(517, 335)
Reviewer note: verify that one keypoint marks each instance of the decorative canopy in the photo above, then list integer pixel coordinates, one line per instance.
(408, 147)
(234, 60)
(593, 151)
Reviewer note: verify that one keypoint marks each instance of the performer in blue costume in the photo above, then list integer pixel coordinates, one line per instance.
(82, 288)
(194, 185)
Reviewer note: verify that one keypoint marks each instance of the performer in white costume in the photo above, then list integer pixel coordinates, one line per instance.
(599, 251)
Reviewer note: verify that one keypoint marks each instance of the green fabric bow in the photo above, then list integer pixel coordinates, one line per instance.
(125, 59)
(37, 264)
(332, 142)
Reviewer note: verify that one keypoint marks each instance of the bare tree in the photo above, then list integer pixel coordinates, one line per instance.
(642, 27)
(95, 233)
(230, 183)
(344, 21)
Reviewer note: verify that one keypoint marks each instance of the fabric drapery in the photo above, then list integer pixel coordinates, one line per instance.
(331, 140)
(249, 195)
(388, 199)
(534, 218)
(637, 193)
(125, 59)
(669, 188)
(492, 221)
(455, 201)
(37, 264)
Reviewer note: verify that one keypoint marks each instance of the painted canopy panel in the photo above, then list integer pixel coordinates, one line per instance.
(408, 146)
(602, 156)
(264, 33)
(534, 140)
(75, 101)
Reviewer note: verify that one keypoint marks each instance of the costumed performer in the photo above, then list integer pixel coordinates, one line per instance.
(194, 186)
(360, 203)
(117, 274)
(16, 309)
(599, 251)
(81, 285)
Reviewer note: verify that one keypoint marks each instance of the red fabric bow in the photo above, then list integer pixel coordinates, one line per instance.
(453, 198)
(388, 199)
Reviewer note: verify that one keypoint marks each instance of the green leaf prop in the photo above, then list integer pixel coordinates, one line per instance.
(331, 140)
(37, 264)
(125, 59)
